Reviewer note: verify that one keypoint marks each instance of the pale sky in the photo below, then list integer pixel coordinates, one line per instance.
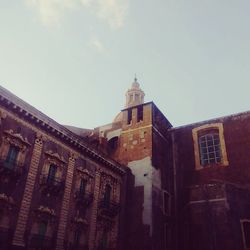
(75, 59)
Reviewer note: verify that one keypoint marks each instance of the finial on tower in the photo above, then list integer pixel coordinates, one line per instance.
(134, 95)
(135, 78)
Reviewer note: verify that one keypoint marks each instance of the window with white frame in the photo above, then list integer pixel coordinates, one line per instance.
(210, 150)
(209, 146)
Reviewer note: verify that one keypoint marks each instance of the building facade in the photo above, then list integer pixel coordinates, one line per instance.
(137, 183)
(56, 191)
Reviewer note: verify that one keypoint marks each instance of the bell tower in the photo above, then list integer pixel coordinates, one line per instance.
(134, 95)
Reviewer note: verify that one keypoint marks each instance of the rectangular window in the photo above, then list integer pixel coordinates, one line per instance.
(167, 236)
(139, 113)
(129, 116)
(12, 156)
(210, 152)
(52, 173)
(77, 236)
(246, 233)
(42, 229)
(166, 203)
(83, 184)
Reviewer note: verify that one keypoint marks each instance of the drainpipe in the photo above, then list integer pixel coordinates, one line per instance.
(175, 191)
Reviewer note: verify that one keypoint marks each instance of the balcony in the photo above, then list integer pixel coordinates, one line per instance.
(83, 198)
(40, 242)
(11, 169)
(109, 209)
(51, 185)
(101, 247)
(5, 237)
(75, 246)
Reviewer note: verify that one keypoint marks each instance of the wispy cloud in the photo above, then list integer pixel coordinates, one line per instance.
(50, 11)
(97, 45)
(113, 12)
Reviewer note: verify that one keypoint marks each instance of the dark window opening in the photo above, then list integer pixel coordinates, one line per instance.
(112, 144)
(107, 195)
(42, 229)
(11, 157)
(246, 229)
(77, 236)
(166, 202)
(210, 150)
(83, 185)
(139, 113)
(104, 241)
(129, 116)
(52, 173)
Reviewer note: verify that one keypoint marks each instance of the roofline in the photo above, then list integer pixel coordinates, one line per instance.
(28, 112)
(142, 104)
(222, 118)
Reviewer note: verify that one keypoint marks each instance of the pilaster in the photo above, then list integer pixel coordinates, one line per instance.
(18, 239)
(93, 220)
(65, 205)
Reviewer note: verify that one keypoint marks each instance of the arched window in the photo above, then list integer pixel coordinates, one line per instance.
(112, 144)
(209, 146)
(107, 195)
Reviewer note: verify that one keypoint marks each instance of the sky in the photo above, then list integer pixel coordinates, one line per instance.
(75, 59)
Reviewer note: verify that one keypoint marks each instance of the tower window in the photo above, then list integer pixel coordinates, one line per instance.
(130, 98)
(210, 152)
(139, 113)
(129, 116)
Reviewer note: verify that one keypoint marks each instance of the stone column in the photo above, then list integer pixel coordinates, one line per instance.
(65, 205)
(18, 239)
(93, 219)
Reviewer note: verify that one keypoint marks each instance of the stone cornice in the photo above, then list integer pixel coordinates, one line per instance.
(43, 122)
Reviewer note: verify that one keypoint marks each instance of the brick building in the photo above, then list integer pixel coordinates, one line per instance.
(137, 183)
(56, 190)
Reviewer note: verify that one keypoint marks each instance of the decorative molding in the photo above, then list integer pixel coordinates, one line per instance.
(55, 156)
(44, 136)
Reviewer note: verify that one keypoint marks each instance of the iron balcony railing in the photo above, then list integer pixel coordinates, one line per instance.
(40, 242)
(109, 208)
(76, 246)
(53, 185)
(5, 237)
(14, 169)
(83, 198)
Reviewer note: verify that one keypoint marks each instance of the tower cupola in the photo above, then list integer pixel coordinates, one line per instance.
(134, 95)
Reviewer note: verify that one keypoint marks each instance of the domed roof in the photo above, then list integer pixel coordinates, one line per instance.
(118, 117)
